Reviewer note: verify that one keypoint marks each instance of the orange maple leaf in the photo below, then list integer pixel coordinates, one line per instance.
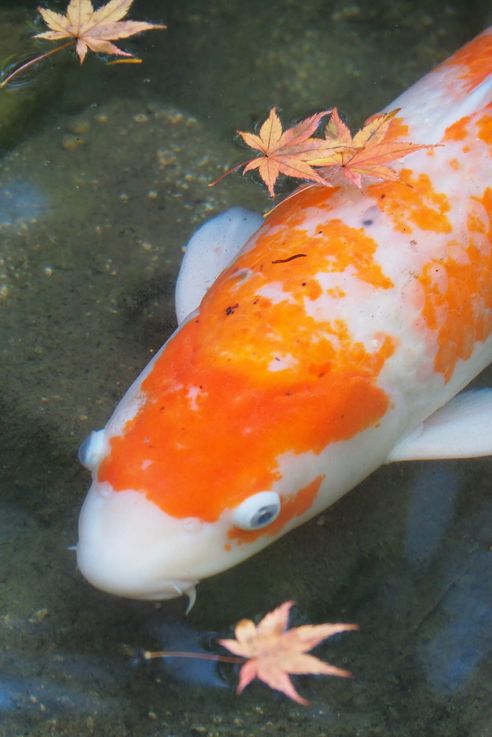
(288, 152)
(273, 651)
(368, 152)
(93, 29)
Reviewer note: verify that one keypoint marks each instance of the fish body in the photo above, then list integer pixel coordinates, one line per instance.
(333, 342)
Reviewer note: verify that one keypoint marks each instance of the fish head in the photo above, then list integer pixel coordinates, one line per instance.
(157, 521)
(207, 460)
(133, 544)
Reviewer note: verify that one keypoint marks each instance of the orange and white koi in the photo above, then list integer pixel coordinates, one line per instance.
(314, 346)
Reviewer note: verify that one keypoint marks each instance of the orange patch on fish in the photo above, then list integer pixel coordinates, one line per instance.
(257, 333)
(397, 130)
(351, 247)
(333, 246)
(313, 290)
(474, 223)
(458, 131)
(486, 201)
(253, 377)
(337, 293)
(293, 506)
(475, 59)
(295, 205)
(458, 294)
(413, 201)
(484, 129)
(239, 426)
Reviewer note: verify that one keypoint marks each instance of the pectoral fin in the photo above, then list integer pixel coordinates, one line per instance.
(211, 248)
(460, 429)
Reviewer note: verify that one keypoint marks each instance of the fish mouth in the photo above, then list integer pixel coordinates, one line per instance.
(169, 589)
(144, 590)
(128, 547)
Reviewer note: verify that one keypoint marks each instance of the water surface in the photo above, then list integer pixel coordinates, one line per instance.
(104, 176)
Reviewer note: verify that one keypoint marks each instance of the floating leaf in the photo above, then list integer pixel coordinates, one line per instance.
(288, 152)
(368, 152)
(298, 153)
(273, 651)
(93, 29)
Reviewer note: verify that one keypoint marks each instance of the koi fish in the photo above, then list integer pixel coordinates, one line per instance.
(313, 346)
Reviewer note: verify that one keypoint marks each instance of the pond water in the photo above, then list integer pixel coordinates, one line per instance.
(103, 178)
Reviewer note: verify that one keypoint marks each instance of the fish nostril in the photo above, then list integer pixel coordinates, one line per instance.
(192, 524)
(92, 449)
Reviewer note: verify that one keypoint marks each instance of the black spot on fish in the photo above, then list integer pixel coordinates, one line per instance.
(289, 258)
(231, 309)
(367, 222)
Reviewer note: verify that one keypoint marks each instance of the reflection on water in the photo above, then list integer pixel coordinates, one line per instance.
(463, 639)
(455, 653)
(104, 176)
(432, 507)
(181, 636)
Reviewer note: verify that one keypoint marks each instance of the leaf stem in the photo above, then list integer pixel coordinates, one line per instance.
(226, 173)
(148, 655)
(37, 59)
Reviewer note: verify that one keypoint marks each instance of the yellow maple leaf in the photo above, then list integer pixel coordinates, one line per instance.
(368, 152)
(93, 29)
(273, 651)
(289, 152)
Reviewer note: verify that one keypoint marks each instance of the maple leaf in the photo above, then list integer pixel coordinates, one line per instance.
(368, 152)
(93, 29)
(273, 651)
(288, 152)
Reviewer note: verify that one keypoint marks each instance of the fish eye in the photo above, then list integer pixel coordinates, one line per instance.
(257, 511)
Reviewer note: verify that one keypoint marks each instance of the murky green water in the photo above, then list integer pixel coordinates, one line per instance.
(103, 177)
